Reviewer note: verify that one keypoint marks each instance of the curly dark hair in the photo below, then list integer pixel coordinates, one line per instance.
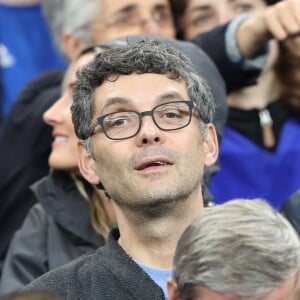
(144, 56)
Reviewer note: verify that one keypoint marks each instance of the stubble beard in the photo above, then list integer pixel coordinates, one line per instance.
(157, 203)
(152, 199)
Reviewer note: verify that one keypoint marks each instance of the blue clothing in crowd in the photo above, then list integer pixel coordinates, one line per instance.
(160, 277)
(249, 171)
(26, 49)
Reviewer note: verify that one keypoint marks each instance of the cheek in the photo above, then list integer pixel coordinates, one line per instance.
(109, 155)
(193, 152)
(63, 159)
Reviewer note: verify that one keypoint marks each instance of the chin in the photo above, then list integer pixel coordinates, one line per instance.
(63, 166)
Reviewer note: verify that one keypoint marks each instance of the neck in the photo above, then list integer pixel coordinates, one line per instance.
(258, 96)
(152, 241)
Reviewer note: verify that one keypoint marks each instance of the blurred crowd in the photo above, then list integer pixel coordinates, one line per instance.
(52, 211)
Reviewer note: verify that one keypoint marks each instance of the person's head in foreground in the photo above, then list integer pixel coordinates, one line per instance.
(144, 119)
(240, 250)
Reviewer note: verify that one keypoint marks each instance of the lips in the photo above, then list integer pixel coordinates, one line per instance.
(153, 162)
(59, 138)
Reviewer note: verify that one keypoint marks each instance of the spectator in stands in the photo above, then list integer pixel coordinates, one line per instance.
(25, 138)
(240, 250)
(259, 120)
(149, 145)
(71, 217)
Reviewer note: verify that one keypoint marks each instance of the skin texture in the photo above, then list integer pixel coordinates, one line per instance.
(149, 200)
(150, 143)
(63, 155)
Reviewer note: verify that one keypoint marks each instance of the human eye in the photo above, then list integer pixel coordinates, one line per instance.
(162, 15)
(173, 112)
(201, 19)
(117, 120)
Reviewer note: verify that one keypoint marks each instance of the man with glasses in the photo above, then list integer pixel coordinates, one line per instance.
(126, 124)
(144, 119)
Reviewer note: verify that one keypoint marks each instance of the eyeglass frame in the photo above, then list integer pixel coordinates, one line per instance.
(99, 121)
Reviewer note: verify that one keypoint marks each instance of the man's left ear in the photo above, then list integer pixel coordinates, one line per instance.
(87, 165)
(172, 289)
(211, 145)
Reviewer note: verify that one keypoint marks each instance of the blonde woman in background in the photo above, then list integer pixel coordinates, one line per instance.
(72, 217)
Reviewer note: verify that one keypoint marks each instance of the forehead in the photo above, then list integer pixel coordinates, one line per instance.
(114, 6)
(135, 90)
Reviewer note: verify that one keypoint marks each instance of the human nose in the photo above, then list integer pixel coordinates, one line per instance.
(149, 133)
(150, 27)
(53, 114)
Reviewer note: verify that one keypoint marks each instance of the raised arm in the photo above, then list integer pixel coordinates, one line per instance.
(279, 21)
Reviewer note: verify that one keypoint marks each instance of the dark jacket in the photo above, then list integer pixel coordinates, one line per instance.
(25, 146)
(56, 231)
(108, 273)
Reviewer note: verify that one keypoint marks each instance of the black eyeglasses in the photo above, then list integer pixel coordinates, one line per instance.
(126, 124)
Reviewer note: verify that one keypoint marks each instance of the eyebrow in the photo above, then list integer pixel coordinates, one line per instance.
(168, 96)
(115, 100)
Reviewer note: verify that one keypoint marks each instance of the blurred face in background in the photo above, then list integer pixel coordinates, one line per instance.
(119, 18)
(204, 15)
(64, 146)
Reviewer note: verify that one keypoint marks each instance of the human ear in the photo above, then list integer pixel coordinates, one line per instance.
(211, 146)
(172, 289)
(87, 164)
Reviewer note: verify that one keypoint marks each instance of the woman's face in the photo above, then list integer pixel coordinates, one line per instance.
(63, 155)
(204, 15)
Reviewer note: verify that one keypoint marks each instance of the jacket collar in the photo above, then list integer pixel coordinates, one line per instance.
(61, 200)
